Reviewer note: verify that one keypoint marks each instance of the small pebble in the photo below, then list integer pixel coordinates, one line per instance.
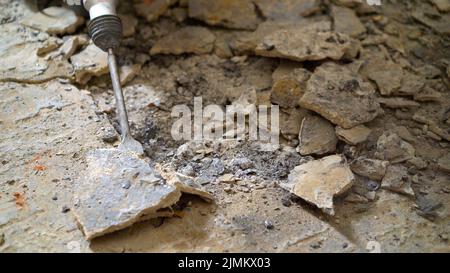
(268, 224)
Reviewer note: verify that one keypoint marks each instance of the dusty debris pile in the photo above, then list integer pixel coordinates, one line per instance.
(364, 154)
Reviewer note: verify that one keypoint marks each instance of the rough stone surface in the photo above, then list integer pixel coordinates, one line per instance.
(287, 9)
(54, 20)
(397, 180)
(20, 61)
(304, 45)
(90, 62)
(237, 14)
(129, 24)
(370, 168)
(152, 10)
(116, 190)
(129, 72)
(392, 148)
(318, 181)
(317, 136)
(340, 96)
(288, 90)
(197, 40)
(353, 136)
(346, 21)
(444, 163)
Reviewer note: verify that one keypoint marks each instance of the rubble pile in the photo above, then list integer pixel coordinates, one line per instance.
(364, 109)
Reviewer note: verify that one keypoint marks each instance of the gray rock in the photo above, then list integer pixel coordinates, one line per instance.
(397, 180)
(317, 136)
(103, 205)
(370, 168)
(341, 96)
(196, 40)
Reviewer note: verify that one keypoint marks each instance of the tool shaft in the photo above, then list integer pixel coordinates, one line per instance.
(120, 101)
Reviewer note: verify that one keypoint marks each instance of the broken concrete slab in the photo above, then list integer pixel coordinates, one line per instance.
(347, 22)
(304, 45)
(117, 189)
(317, 136)
(187, 184)
(438, 22)
(287, 10)
(444, 163)
(152, 10)
(397, 180)
(236, 14)
(90, 62)
(392, 148)
(442, 5)
(287, 91)
(395, 103)
(20, 60)
(319, 181)
(341, 96)
(386, 74)
(370, 168)
(290, 126)
(54, 20)
(353, 136)
(191, 39)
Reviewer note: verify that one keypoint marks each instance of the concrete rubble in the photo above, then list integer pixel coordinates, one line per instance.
(318, 182)
(363, 96)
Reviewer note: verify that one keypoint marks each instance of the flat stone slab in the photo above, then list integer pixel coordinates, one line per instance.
(341, 96)
(54, 20)
(196, 40)
(319, 181)
(118, 189)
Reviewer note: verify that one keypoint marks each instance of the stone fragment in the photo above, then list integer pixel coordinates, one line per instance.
(346, 21)
(444, 163)
(442, 5)
(433, 19)
(397, 180)
(129, 24)
(303, 45)
(54, 20)
(70, 46)
(319, 181)
(152, 10)
(317, 136)
(341, 96)
(395, 103)
(246, 43)
(370, 168)
(196, 40)
(288, 90)
(392, 148)
(428, 94)
(48, 46)
(284, 10)
(129, 72)
(19, 59)
(355, 135)
(90, 62)
(236, 14)
(290, 127)
(187, 185)
(102, 203)
(387, 75)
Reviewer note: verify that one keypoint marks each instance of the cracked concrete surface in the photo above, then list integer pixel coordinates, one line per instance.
(382, 94)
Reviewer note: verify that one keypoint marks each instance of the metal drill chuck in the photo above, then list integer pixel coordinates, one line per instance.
(106, 32)
(105, 27)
